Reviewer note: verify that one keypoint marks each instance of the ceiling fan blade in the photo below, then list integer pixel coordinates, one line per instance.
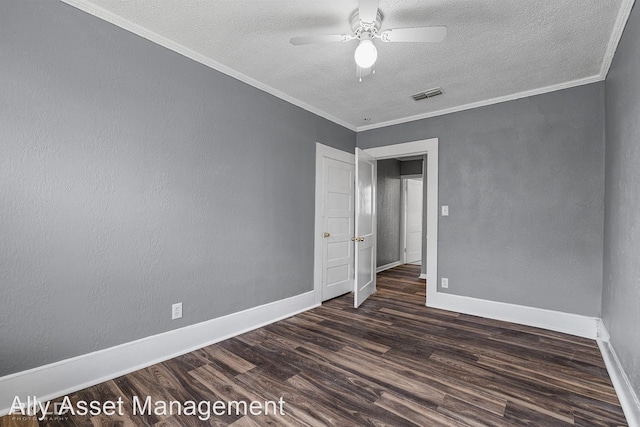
(368, 10)
(418, 34)
(297, 41)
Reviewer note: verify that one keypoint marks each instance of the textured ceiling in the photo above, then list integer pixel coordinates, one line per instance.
(495, 50)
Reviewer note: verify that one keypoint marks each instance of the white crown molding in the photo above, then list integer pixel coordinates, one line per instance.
(67, 376)
(623, 15)
(139, 30)
(484, 103)
(616, 35)
(627, 396)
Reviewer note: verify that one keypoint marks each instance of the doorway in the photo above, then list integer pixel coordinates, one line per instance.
(427, 148)
(399, 212)
(411, 230)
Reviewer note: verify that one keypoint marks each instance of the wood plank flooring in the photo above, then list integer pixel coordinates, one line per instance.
(393, 362)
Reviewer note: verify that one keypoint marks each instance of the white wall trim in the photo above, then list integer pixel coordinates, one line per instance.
(139, 30)
(603, 334)
(498, 100)
(627, 396)
(406, 149)
(430, 148)
(568, 323)
(614, 40)
(412, 176)
(322, 152)
(422, 276)
(70, 375)
(388, 266)
(616, 35)
(92, 9)
(403, 219)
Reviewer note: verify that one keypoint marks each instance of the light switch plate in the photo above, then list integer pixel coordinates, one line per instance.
(445, 210)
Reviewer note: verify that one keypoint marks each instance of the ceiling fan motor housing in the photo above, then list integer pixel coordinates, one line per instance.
(359, 27)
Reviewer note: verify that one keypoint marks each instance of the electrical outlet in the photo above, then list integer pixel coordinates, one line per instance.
(445, 210)
(445, 282)
(176, 311)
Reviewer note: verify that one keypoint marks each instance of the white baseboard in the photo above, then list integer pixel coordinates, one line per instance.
(574, 324)
(388, 266)
(423, 276)
(627, 396)
(67, 376)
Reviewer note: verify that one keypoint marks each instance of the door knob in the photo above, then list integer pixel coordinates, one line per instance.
(353, 239)
(361, 239)
(325, 234)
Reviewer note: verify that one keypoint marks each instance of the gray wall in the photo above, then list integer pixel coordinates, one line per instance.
(133, 178)
(621, 288)
(524, 181)
(411, 167)
(389, 189)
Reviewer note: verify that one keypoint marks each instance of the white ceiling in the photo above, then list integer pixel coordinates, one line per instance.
(495, 50)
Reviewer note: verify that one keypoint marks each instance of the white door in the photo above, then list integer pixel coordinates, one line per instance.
(365, 237)
(337, 224)
(413, 220)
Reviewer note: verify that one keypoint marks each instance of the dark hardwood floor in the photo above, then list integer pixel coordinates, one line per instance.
(393, 362)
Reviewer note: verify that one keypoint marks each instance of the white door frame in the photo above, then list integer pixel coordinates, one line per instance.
(430, 148)
(426, 146)
(323, 151)
(403, 215)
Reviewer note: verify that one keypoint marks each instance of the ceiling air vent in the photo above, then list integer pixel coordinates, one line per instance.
(427, 94)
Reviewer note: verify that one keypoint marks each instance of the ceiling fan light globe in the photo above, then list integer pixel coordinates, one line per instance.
(366, 54)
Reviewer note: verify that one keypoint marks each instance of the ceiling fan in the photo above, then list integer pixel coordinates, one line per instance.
(365, 24)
